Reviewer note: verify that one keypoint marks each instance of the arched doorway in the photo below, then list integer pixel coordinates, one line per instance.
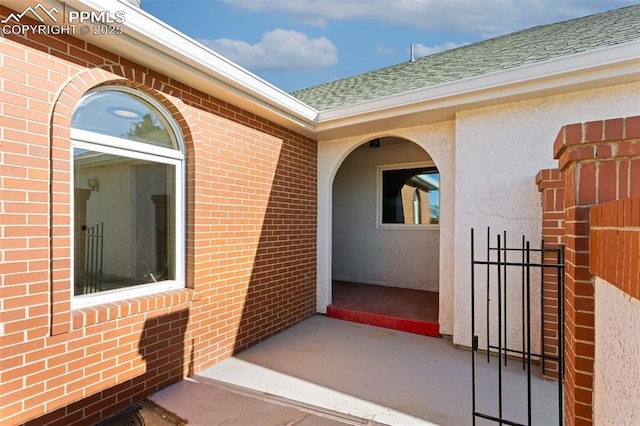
(385, 239)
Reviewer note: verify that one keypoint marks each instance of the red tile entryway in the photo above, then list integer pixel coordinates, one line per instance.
(402, 309)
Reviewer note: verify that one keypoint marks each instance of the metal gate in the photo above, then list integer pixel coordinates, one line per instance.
(93, 259)
(507, 272)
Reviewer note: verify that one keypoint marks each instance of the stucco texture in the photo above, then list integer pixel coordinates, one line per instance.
(362, 251)
(617, 359)
(437, 140)
(499, 150)
(488, 159)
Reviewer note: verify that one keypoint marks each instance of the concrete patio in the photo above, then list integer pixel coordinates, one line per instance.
(350, 373)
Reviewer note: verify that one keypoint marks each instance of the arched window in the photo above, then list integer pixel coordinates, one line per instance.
(128, 216)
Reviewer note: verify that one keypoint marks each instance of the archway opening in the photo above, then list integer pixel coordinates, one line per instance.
(386, 237)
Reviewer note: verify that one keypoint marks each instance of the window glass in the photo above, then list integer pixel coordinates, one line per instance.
(123, 220)
(127, 196)
(411, 196)
(123, 115)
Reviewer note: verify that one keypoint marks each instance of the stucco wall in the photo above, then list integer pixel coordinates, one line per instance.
(124, 232)
(114, 195)
(604, 341)
(617, 376)
(491, 157)
(499, 150)
(364, 253)
(438, 141)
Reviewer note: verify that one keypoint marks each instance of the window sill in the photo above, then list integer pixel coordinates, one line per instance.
(408, 227)
(116, 295)
(109, 311)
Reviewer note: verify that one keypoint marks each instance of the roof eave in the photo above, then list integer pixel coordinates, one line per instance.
(595, 68)
(154, 44)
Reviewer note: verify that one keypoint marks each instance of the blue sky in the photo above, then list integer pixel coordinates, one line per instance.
(295, 44)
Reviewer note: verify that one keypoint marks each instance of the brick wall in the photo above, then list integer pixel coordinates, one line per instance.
(408, 193)
(551, 186)
(600, 161)
(615, 244)
(615, 262)
(250, 240)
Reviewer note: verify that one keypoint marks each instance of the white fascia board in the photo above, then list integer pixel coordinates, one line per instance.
(612, 63)
(168, 49)
(153, 43)
(171, 42)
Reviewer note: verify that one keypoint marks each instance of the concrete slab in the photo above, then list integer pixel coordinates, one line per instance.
(372, 373)
(207, 403)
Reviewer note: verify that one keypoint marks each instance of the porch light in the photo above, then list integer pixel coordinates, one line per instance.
(94, 184)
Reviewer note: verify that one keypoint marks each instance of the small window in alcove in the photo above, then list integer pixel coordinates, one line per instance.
(409, 195)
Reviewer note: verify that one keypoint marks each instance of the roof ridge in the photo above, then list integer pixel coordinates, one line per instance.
(532, 29)
(528, 45)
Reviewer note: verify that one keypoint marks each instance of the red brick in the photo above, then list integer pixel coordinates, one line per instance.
(573, 134)
(632, 127)
(634, 264)
(231, 149)
(607, 181)
(628, 148)
(624, 262)
(613, 129)
(623, 179)
(583, 411)
(587, 184)
(594, 131)
(634, 178)
(635, 211)
(584, 380)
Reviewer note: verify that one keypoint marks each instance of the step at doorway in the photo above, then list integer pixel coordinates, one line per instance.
(413, 311)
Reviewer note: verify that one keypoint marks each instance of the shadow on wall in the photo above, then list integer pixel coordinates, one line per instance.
(281, 291)
(282, 288)
(161, 346)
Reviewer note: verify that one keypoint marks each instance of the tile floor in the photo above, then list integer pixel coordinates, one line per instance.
(403, 309)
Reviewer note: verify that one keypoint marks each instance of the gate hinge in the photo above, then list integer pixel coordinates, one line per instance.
(474, 344)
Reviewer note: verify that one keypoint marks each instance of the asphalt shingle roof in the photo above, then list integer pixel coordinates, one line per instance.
(512, 50)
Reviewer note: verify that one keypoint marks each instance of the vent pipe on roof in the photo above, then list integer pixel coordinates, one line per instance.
(412, 58)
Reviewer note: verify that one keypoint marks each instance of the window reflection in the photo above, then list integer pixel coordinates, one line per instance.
(411, 196)
(123, 115)
(124, 228)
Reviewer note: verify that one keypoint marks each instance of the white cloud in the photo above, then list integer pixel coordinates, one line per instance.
(315, 22)
(279, 50)
(420, 50)
(385, 50)
(484, 18)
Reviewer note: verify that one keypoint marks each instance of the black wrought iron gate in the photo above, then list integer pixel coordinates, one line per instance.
(507, 272)
(93, 258)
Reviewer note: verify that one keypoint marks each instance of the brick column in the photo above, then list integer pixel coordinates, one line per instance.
(615, 244)
(551, 186)
(600, 161)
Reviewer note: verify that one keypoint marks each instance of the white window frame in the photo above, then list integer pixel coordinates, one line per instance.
(405, 226)
(143, 151)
